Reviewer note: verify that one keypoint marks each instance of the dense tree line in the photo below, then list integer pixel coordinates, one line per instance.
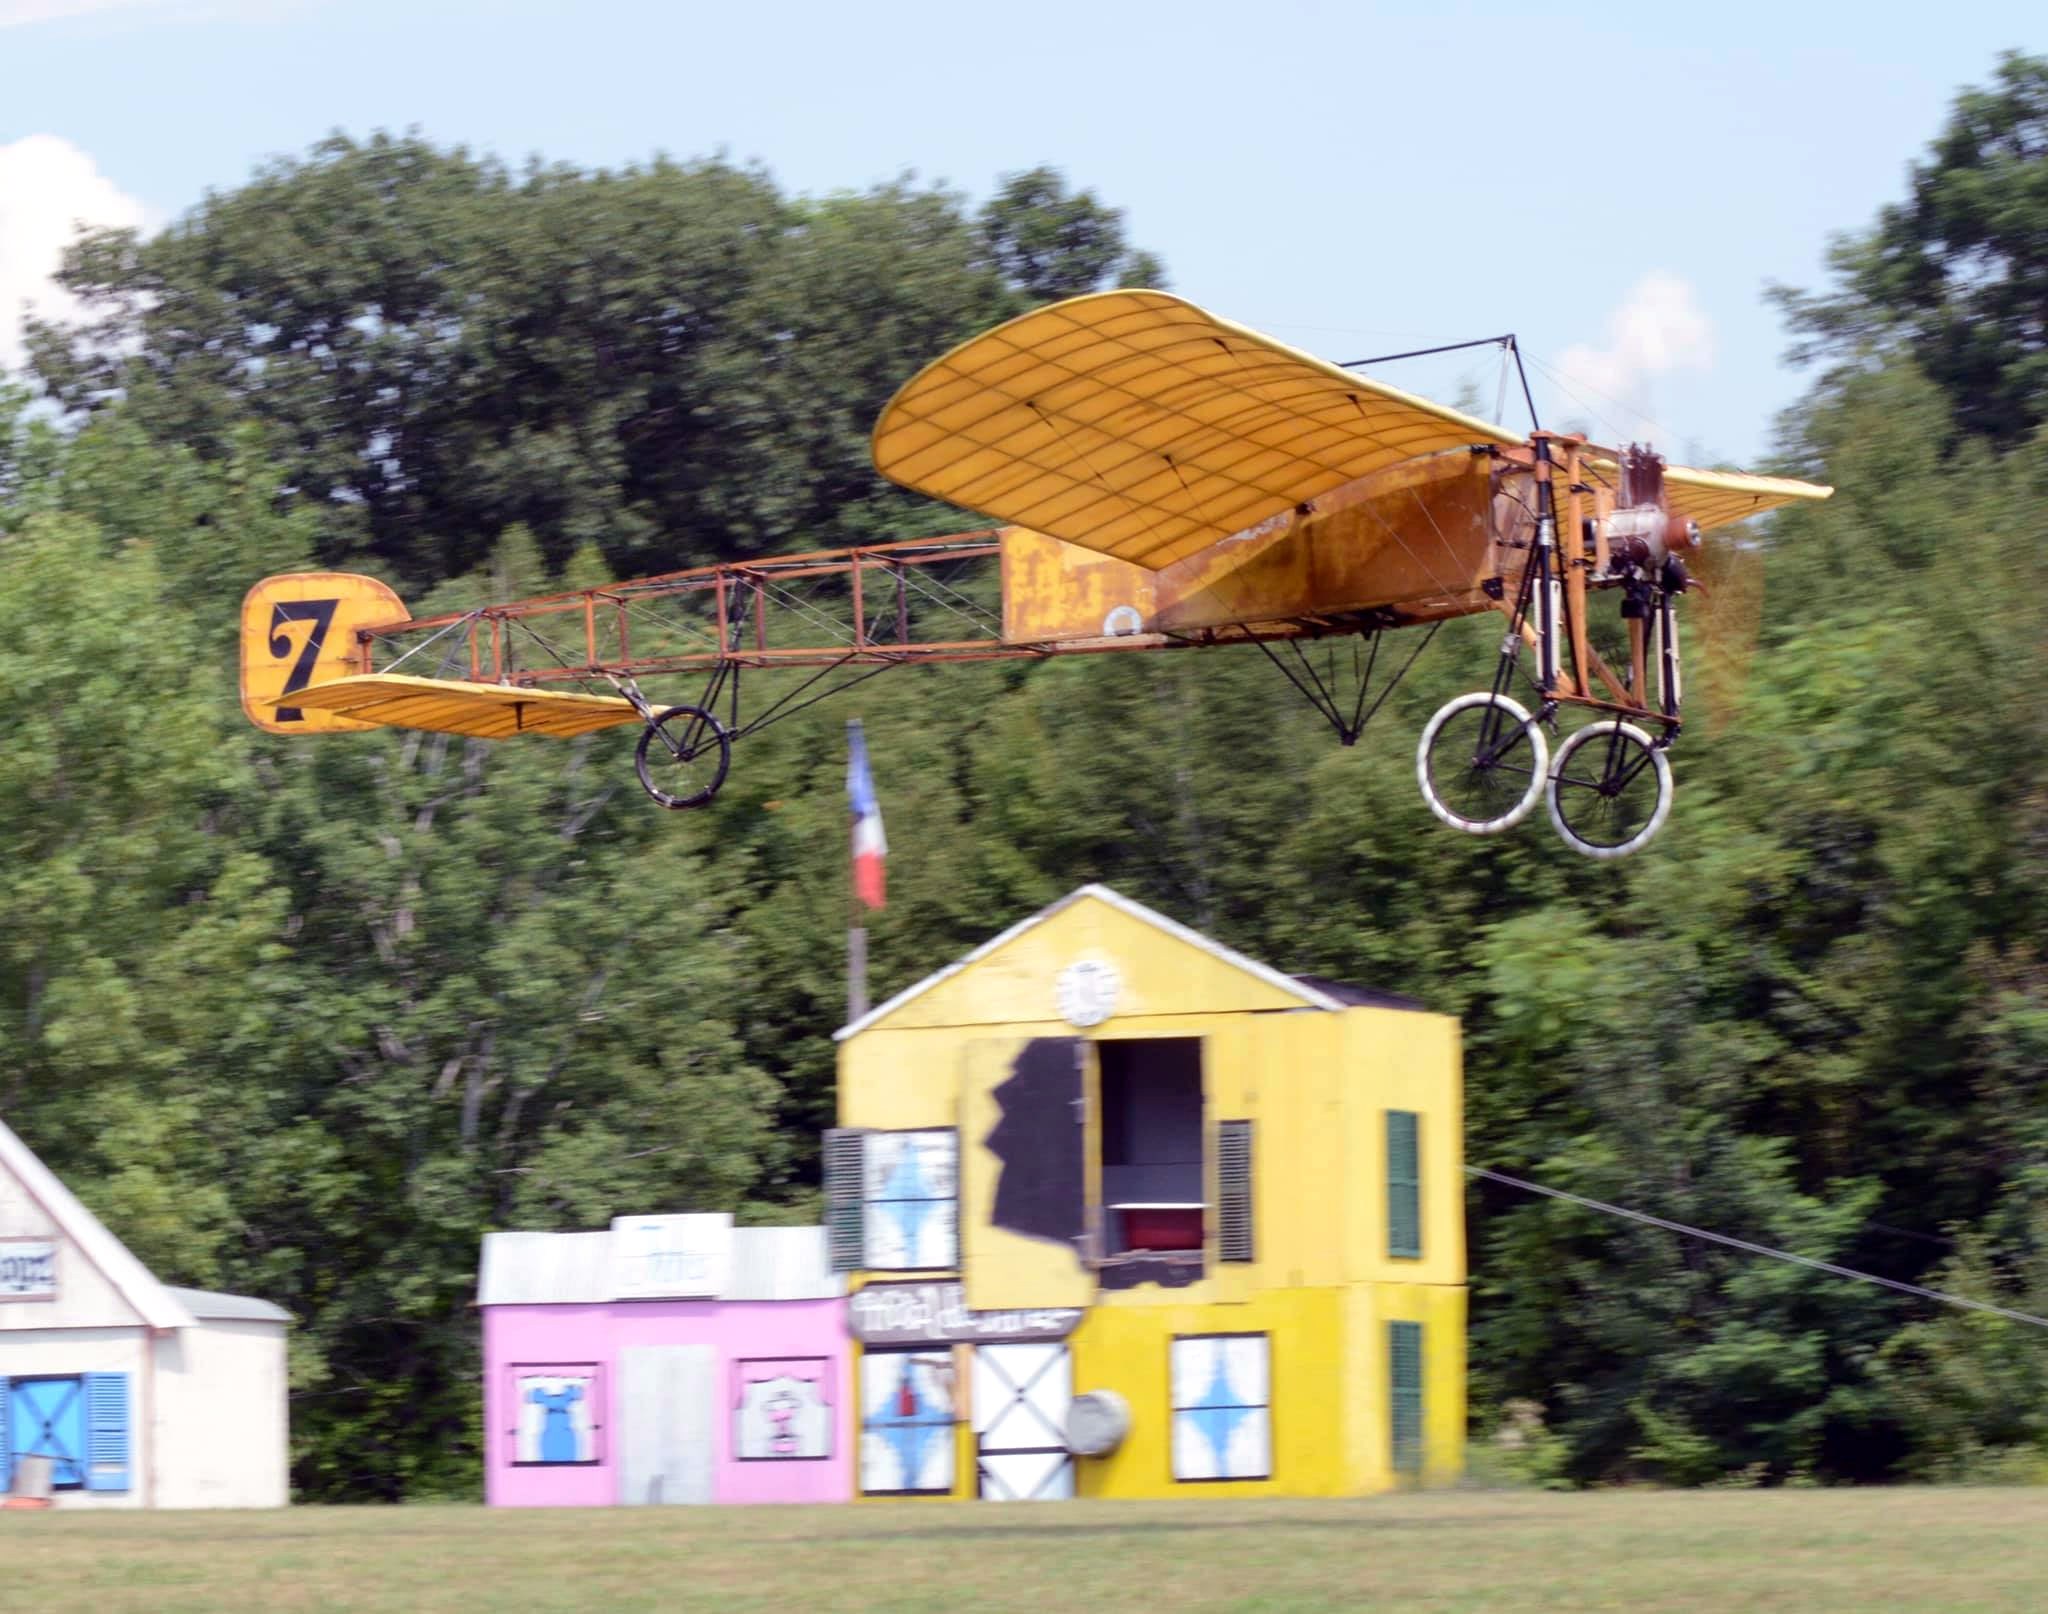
(307, 1018)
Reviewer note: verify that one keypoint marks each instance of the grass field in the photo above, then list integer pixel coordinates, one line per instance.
(1899, 1551)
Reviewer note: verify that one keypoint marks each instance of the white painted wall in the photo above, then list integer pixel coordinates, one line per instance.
(220, 1416)
(206, 1396)
(85, 1297)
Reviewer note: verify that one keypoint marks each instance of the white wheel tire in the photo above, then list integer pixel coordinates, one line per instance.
(1538, 774)
(1658, 762)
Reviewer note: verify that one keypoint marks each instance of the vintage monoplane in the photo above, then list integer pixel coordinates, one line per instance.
(1169, 480)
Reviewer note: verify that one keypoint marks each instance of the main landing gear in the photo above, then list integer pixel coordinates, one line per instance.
(1484, 761)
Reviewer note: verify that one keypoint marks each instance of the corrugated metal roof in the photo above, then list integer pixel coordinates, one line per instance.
(782, 1263)
(568, 1269)
(534, 1269)
(158, 1306)
(209, 1306)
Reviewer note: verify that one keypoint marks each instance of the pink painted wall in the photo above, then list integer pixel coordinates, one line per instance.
(597, 1333)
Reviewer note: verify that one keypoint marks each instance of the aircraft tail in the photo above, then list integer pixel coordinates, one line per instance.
(299, 630)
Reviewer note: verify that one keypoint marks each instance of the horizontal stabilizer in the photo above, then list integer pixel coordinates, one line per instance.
(481, 711)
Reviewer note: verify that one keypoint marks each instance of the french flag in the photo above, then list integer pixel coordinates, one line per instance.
(870, 846)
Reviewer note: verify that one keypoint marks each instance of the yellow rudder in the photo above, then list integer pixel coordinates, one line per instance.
(299, 630)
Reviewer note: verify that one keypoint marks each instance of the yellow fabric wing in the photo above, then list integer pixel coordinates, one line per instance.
(1715, 498)
(452, 706)
(1137, 425)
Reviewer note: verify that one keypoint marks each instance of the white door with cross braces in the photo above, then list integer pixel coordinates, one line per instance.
(1021, 1394)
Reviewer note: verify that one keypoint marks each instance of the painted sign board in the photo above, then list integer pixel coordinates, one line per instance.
(684, 1257)
(28, 1269)
(936, 1313)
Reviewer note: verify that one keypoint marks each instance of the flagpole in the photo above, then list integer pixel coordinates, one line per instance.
(856, 969)
(856, 926)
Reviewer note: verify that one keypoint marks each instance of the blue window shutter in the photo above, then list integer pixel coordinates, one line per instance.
(106, 1431)
(6, 1436)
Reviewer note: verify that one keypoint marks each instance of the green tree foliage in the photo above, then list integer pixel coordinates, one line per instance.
(1957, 274)
(673, 363)
(307, 1018)
(1048, 243)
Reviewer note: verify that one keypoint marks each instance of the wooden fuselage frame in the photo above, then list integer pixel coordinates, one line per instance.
(1439, 536)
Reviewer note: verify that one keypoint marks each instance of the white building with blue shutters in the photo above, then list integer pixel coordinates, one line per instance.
(136, 1393)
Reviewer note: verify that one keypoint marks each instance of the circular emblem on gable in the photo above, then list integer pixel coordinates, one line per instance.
(1086, 992)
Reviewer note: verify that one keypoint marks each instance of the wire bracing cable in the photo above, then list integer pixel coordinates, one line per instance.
(1921, 1291)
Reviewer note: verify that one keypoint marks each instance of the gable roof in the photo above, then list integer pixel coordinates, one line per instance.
(156, 1304)
(1303, 989)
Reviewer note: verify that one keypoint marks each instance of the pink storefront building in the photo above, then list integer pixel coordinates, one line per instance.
(669, 1359)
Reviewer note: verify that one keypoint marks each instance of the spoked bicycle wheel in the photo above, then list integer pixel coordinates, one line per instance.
(1610, 791)
(682, 756)
(1481, 763)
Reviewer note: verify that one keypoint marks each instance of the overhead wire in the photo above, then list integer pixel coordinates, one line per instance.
(1749, 1246)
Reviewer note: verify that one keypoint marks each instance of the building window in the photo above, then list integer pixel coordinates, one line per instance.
(1404, 1356)
(1151, 1105)
(79, 1421)
(782, 1409)
(891, 1200)
(1222, 1407)
(908, 1209)
(906, 1423)
(557, 1417)
(1404, 1185)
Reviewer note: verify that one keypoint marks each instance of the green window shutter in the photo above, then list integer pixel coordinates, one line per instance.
(106, 1431)
(1234, 1191)
(845, 1157)
(1404, 1356)
(1404, 1185)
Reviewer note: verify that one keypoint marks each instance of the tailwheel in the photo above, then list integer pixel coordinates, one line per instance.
(682, 756)
(1481, 763)
(1611, 789)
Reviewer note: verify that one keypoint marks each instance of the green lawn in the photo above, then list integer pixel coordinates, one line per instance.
(1895, 1551)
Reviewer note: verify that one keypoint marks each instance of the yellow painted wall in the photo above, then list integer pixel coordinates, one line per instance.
(1409, 1062)
(1316, 1084)
(1368, 1397)
(1129, 1350)
(1331, 1381)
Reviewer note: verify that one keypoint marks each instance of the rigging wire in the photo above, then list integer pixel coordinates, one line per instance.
(1559, 379)
(460, 621)
(1749, 1247)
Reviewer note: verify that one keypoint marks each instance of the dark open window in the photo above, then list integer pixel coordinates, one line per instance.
(1152, 1182)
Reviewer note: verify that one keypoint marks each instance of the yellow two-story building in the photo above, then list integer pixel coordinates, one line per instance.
(1131, 1214)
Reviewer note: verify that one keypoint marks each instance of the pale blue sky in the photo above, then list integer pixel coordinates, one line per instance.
(1349, 177)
